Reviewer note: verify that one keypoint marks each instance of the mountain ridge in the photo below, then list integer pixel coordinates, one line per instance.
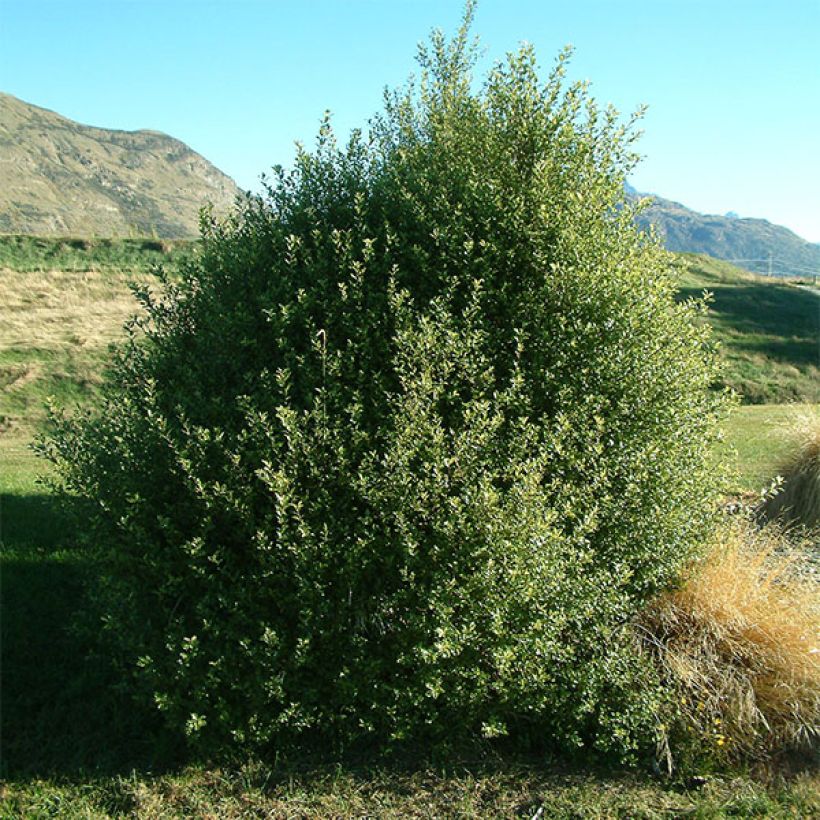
(62, 177)
(749, 242)
(58, 176)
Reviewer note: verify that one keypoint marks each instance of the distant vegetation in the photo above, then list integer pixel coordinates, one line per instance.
(24, 253)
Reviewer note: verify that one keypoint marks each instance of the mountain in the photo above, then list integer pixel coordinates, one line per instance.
(748, 243)
(58, 177)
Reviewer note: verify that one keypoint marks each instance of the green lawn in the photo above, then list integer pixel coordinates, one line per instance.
(62, 711)
(485, 790)
(757, 442)
(19, 468)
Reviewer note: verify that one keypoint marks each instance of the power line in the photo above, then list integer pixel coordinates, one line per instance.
(778, 267)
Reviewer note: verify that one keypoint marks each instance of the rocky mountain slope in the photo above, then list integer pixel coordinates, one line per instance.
(58, 177)
(747, 242)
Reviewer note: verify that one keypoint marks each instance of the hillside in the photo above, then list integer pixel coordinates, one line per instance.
(769, 331)
(732, 238)
(58, 177)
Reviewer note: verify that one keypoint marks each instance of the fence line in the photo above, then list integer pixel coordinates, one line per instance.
(779, 267)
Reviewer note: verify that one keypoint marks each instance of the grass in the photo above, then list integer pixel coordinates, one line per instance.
(61, 711)
(769, 330)
(72, 743)
(527, 791)
(757, 442)
(29, 254)
(798, 502)
(737, 643)
(55, 332)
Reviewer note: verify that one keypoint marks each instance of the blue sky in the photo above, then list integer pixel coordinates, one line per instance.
(733, 86)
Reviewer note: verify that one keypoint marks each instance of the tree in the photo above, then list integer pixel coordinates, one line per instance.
(404, 450)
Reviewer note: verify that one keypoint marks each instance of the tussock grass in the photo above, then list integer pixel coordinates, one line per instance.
(738, 644)
(798, 502)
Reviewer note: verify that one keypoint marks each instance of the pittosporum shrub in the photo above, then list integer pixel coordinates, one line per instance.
(401, 453)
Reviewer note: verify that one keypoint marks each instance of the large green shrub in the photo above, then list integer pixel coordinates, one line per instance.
(411, 441)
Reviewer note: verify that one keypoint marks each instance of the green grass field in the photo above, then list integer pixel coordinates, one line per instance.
(486, 791)
(769, 330)
(757, 442)
(74, 746)
(42, 254)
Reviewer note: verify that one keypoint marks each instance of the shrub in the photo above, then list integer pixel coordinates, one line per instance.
(412, 440)
(798, 502)
(737, 645)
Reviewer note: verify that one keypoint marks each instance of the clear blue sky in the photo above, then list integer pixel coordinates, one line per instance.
(733, 86)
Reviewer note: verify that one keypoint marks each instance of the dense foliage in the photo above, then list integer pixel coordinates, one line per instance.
(412, 440)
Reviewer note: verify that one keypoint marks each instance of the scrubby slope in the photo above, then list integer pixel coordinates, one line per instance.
(60, 177)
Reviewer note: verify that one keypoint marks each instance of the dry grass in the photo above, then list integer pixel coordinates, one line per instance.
(60, 309)
(55, 330)
(799, 500)
(738, 644)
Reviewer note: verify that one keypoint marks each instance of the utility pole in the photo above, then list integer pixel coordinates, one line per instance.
(770, 263)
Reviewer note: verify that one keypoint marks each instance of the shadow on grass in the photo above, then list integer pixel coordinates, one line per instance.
(32, 524)
(63, 711)
(768, 310)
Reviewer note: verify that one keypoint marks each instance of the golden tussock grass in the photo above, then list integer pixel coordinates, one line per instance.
(798, 502)
(738, 644)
